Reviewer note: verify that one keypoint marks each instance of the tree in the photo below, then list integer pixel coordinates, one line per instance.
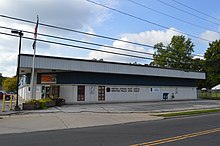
(212, 64)
(10, 84)
(197, 64)
(1, 80)
(177, 54)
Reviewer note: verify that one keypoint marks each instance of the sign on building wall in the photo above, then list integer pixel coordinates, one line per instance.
(48, 78)
(154, 89)
(115, 89)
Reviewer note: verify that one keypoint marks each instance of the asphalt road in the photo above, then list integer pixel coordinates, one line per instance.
(200, 130)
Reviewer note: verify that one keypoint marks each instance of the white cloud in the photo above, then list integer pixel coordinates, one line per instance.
(7, 63)
(209, 35)
(151, 37)
(119, 58)
(74, 14)
(199, 56)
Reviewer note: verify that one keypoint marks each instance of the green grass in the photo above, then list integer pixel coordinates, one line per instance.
(188, 113)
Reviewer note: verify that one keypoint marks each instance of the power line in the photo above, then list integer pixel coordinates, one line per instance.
(201, 18)
(79, 47)
(100, 36)
(196, 10)
(87, 48)
(90, 43)
(84, 42)
(187, 22)
(144, 20)
(76, 31)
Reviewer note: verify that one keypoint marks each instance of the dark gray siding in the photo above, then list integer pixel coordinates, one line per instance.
(118, 79)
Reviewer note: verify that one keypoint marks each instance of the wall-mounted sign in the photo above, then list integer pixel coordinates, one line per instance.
(48, 78)
(123, 89)
(154, 89)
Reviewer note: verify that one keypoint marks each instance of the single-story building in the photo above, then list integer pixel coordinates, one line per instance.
(89, 81)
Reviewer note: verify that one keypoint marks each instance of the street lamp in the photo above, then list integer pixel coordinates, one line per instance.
(20, 33)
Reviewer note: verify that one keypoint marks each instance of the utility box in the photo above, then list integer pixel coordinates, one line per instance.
(165, 96)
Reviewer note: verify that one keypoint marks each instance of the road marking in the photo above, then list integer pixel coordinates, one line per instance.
(176, 138)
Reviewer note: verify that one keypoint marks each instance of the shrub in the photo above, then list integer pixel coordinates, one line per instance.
(43, 103)
(32, 101)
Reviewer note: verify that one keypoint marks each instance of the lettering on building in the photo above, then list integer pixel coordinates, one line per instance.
(122, 90)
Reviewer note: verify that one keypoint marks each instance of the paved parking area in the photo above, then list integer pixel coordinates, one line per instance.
(147, 107)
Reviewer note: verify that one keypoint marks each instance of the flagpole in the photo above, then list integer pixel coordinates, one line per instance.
(32, 85)
(32, 75)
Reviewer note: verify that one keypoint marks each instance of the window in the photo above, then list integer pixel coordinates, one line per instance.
(101, 93)
(81, 93)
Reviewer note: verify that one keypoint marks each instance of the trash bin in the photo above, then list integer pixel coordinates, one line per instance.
(165, 96)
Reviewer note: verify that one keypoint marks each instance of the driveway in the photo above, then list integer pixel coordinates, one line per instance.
(146, 107)
(159, 106)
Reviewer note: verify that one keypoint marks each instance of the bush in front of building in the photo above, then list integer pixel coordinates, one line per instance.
(47, 102)
(42, 103)
(31, 105)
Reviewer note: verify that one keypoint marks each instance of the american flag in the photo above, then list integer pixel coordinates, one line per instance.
(35, 33)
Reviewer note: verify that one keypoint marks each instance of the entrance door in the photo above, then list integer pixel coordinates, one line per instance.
(55, 92)
(81, 93)
(45, 91)
(101, 93)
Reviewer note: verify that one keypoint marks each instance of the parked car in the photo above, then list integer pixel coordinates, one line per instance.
(7, 97)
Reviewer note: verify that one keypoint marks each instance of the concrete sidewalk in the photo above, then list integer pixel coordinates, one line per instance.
(75, 116)
(52, 121)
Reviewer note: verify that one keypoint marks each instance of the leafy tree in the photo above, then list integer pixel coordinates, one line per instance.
(1, 80)
(177, 54)
(212, 64)
(10, 84)
(197, 64)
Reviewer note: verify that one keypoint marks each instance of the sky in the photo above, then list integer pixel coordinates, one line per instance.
(150, 22)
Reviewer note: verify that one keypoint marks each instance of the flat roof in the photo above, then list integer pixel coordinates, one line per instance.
(72, 64)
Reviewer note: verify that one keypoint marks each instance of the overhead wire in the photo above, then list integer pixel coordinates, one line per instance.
(184, 21)
(201, 18)
(79, 41)
(195, 10)
(85, 33)
(87, 48)
(75, 31)
(86, 42)
(78, 47)
(144, 20)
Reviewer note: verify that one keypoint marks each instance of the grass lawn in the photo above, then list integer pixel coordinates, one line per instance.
(188, 113)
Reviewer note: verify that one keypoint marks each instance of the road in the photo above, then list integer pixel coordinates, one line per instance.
(196, 130)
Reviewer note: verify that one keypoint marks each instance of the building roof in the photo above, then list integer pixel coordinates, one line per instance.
(217, 87)
(69, 64)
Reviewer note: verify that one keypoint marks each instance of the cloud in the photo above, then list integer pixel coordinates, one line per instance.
(74, 14)
(7, 63)
(151, 37)
(209, 35)
(199, 56)
(119, 58)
